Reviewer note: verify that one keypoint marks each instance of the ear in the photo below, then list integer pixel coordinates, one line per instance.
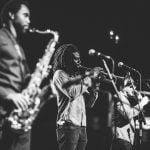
(11, 15)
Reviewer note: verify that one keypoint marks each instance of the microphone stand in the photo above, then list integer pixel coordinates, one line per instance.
(117, 92)
(113, 65)
(141, 117)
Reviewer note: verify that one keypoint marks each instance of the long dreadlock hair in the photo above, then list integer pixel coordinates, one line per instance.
(63, 57)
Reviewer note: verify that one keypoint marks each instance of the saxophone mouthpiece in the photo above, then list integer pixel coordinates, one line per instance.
(34, 30)
(31, 30)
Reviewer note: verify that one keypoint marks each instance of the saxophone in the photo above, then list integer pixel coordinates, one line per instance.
(20, 120)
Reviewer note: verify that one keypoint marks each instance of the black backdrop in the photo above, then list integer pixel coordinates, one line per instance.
(87, 24)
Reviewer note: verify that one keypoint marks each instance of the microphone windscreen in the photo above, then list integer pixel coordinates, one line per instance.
(92, 52)
(120, 64)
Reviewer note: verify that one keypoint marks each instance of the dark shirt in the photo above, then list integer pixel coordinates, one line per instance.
(13, 66)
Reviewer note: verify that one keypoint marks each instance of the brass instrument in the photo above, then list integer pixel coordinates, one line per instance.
(23, 119)
(97, 73)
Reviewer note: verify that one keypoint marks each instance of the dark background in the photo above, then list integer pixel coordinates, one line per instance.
(87, 24)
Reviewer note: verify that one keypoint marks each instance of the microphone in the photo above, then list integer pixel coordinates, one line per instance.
(122, 65)
(93, 52)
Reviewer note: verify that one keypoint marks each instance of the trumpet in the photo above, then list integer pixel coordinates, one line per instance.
(97, 73)
(100, 71)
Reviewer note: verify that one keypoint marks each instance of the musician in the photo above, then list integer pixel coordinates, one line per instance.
(74, 92)
(15, 20)
(129, 104)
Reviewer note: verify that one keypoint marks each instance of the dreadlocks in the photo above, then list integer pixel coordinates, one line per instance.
(63, 57)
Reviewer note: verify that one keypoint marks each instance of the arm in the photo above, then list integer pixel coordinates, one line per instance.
(75, 88)
(131, 112)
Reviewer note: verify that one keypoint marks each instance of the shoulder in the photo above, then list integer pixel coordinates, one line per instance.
(3, 36)
(3, 33)
(60, 77)
(60, 74)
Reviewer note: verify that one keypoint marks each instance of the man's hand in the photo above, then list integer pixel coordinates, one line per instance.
(20, 101)
(145, 100)
(87, 81)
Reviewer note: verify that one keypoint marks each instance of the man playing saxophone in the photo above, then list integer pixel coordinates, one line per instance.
(15, 19)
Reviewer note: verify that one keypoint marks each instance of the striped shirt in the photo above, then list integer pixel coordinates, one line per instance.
(71, 101)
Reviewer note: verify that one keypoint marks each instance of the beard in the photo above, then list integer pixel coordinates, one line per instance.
(20, 29)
